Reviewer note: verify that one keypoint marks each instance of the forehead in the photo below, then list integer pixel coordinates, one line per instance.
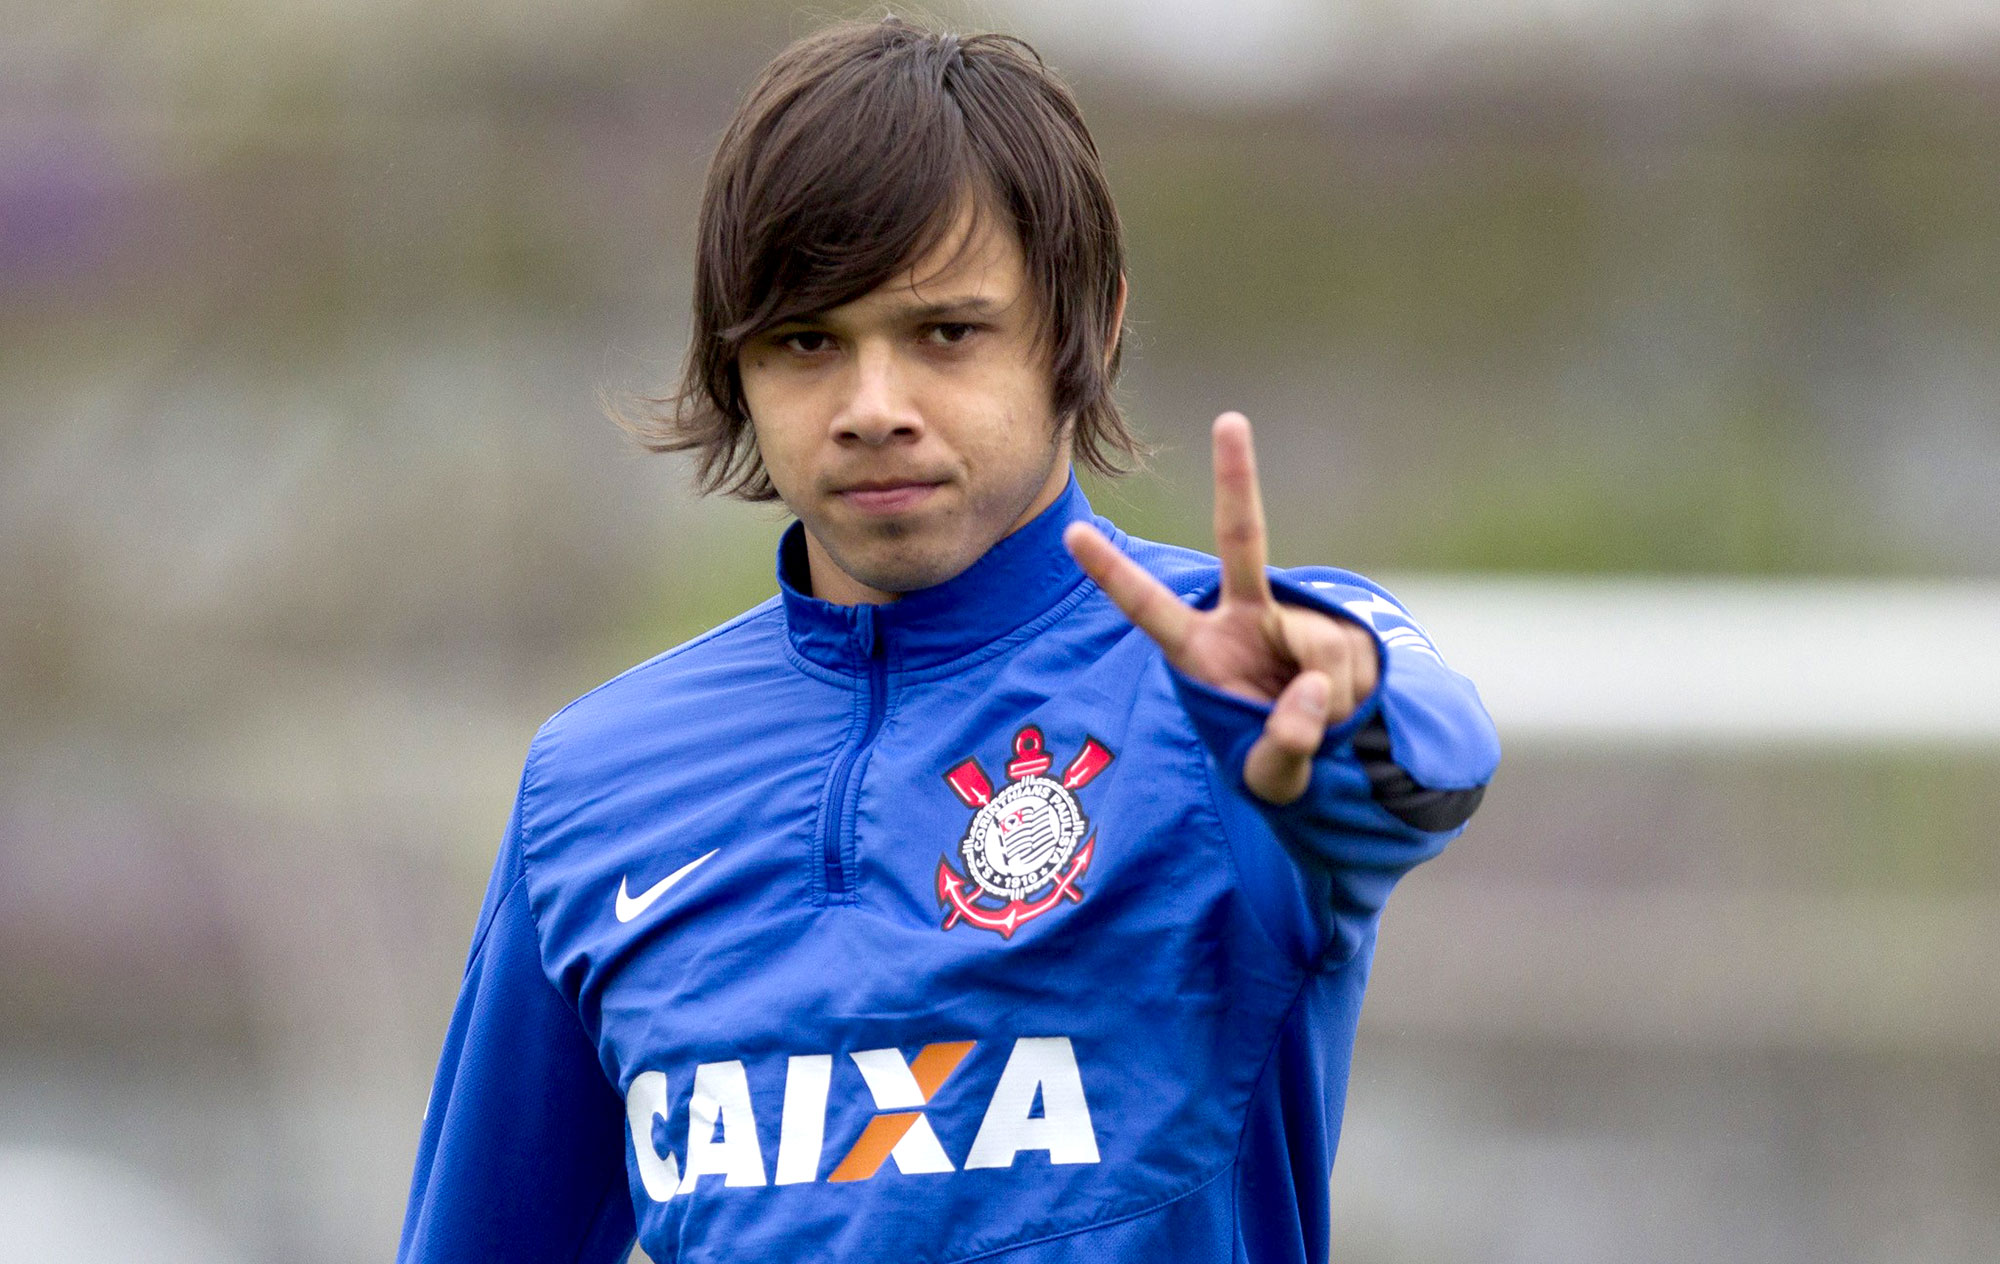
(978, 258)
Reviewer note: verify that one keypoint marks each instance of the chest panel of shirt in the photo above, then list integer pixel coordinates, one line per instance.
(1152, 975)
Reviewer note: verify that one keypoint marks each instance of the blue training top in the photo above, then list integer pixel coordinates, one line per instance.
(936, 931)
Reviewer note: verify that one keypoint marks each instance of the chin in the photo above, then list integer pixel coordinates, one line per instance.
(907, 578)
(907, 570)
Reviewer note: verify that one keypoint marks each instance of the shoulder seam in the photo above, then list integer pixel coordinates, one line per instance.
(760, 609)
(486, 930)
(528, 785)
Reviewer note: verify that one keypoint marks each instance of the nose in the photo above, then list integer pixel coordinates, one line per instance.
(879, 408)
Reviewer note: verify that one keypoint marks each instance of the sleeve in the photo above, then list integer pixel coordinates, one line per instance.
(1391, 784)
(522, 1154)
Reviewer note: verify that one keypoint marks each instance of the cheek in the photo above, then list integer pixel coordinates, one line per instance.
(774, 421)
(782, 460)
(1016, 433)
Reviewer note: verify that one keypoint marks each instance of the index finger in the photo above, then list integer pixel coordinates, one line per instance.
(1146, 601)
(1239, 513)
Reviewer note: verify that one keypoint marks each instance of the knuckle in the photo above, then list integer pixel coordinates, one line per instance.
(1318, 642)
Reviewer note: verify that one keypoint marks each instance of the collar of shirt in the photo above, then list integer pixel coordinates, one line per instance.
(1017, 581)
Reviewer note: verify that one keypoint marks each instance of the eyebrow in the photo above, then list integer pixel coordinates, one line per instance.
(970, 305)
(947, 309)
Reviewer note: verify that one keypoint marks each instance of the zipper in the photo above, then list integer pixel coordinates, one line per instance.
(838, 827)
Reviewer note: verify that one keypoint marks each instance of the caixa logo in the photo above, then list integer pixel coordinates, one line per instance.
(1036, 1105)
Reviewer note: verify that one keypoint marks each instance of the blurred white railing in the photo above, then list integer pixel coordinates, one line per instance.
(1658, 665)
(1677, 662)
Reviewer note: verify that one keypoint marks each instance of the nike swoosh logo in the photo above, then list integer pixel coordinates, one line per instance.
(630, 906)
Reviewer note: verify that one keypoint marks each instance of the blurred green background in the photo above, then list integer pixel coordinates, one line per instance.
(309, 514)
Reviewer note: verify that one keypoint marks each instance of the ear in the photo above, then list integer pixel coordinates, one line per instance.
(1117, 324)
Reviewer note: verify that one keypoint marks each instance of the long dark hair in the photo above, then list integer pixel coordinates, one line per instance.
(853, 155)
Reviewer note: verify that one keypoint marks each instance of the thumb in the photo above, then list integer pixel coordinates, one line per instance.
(1279, 764)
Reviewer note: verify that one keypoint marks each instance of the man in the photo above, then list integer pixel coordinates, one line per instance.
(1003, 888)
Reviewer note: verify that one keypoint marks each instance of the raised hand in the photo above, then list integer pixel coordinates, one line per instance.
(1313, 669)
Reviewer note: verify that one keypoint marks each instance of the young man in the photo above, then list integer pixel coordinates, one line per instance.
(1005, 887)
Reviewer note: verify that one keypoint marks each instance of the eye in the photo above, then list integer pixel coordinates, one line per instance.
(804, 341)
(949, 333)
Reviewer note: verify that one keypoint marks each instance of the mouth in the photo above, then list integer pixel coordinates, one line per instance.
(887, 496)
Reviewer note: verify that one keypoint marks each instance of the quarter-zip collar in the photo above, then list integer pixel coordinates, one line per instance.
(1016, 581)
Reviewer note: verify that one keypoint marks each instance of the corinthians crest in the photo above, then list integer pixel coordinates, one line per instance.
(1028, 843)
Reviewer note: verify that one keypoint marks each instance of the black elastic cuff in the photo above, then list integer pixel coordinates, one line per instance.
(1430, 810)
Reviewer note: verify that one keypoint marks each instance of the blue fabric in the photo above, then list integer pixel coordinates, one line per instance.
(1147, 1061)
